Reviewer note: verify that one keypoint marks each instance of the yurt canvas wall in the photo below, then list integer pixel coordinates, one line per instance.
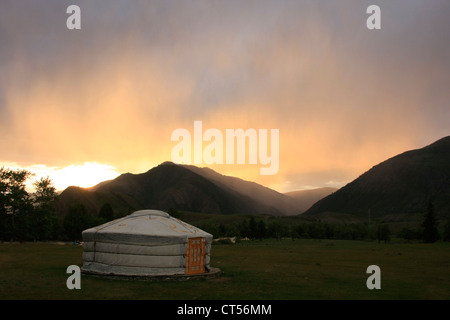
(145, 243)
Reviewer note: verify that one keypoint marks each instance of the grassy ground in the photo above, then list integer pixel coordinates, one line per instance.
(268, 269)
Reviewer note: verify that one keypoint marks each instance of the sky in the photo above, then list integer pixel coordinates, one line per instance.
(83, 106)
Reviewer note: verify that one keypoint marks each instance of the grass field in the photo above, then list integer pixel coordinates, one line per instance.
(267, 269)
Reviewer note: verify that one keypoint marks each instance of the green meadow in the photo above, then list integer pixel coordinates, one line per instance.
(268, 269)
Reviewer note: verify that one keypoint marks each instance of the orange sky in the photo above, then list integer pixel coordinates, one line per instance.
(106, 98)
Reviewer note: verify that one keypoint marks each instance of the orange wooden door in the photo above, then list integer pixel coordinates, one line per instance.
(195, 256)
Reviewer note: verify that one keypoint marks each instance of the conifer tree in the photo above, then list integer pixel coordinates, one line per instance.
(429, 224)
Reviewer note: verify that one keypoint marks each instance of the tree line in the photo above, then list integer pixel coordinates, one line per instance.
(25, 216)
(260, 228)
(32, 216)
(28, 216)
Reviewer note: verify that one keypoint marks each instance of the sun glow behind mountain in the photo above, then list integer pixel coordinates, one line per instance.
(83, 175)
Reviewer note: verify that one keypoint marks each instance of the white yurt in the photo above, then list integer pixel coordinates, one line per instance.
(146, 243)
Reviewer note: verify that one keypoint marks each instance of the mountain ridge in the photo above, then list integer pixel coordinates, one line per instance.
(403, 184)
(186, 188)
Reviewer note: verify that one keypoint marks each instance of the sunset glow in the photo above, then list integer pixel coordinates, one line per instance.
(85, 175)
(86, 105)
(81, 175)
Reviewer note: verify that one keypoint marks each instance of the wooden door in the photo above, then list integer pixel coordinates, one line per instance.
(196, 255)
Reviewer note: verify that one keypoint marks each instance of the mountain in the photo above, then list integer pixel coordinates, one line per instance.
(304, 199)
(264, 196)
(397, 188)
(296, 201)
(182, 187)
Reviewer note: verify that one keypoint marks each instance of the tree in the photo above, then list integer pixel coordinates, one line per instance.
(243, 229)
(252, 227)
(300, 231)
(430, 224)
(316, 230)
(45, 193)
(14, 202)
(383, 233)
(106, 212)
(76, 220)
(446, 236)
(261, 229)
(409, 234)
(44, 222)
(275, 229)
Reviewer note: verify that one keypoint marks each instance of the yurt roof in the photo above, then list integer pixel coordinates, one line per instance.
(145, 227)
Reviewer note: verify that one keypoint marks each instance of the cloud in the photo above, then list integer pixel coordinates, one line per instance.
(343, 97)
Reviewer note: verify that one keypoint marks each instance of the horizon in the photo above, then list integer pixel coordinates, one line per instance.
(84, 106)
(82, 174)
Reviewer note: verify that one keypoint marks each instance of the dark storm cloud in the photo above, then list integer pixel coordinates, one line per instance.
(310, 68)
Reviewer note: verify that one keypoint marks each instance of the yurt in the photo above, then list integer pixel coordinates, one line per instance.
(146, 243)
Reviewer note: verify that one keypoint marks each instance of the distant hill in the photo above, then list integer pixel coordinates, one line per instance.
(304, 199)
(402, 186)
(185, 188)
